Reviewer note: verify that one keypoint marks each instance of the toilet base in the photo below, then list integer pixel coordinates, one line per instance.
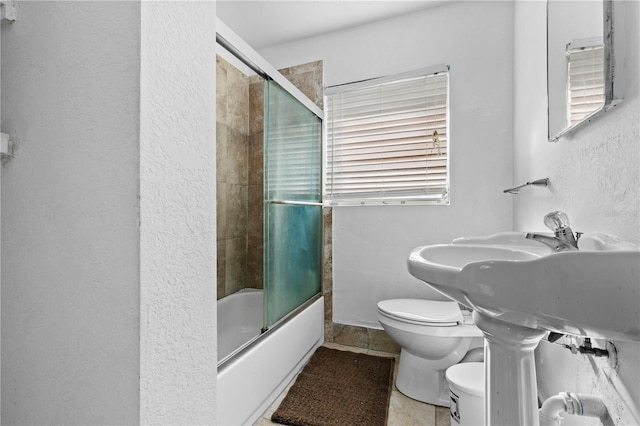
(417, 381)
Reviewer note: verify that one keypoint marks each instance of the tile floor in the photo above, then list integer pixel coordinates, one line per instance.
(403, 411)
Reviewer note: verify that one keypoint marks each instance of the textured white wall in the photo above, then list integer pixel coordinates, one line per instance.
(108, 290)
(595, 179)
(371, 243)
(70, 287)
(177, 214)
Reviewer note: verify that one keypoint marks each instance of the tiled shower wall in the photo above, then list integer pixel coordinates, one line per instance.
(240, 196)
(232, 176)
(239, 162)
(256, 172)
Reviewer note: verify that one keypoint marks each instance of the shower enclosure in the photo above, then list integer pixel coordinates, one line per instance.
(293, 208)
(269, 230)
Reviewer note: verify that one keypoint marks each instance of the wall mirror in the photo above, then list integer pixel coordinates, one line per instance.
(580, 63)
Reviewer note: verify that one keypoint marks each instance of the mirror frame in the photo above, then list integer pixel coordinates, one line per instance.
(609, 73)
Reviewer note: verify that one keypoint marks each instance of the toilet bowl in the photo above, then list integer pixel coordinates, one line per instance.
(433, 335)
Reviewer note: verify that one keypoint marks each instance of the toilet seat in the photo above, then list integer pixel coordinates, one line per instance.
(422, 312)
(433, 336)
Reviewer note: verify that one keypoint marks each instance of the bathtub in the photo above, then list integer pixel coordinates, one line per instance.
(254, 374)
(239, 321)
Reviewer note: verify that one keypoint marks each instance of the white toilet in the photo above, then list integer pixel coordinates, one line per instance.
(433, 335)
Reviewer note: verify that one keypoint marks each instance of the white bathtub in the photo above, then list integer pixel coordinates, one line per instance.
(239, 320)
(250, 381)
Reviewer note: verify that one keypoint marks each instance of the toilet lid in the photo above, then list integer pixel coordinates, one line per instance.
(422, 311)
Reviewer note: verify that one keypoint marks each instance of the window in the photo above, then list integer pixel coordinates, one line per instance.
(585, 87)
(388, 140)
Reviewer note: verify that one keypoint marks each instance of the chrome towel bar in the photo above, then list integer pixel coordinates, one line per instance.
(516, 189)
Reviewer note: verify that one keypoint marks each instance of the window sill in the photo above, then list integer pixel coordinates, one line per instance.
(386, 202)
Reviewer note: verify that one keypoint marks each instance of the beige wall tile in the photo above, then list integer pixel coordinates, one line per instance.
(221, 268)
(344, 348)
(232, 95)
(222, 162)
(350, 335)
(306, 83)
(255, 262)
(328, 317)
(236, 264)
(327, 265)
(379, 340)
(315, 66)
(308, 78)
(221, 210)
(238, 101)
(256, 158)
(237, 158)
(361, 337)
(256, 105)
(255, 212)
(327, 272)
(221, 90)
(327, 224)
(236, 220)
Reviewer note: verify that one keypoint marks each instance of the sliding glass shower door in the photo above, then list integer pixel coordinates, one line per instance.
(293, 204)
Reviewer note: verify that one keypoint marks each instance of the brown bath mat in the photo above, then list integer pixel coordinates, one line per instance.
(339, 388)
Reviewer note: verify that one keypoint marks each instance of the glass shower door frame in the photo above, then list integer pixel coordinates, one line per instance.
(292, 204)
(234, 44)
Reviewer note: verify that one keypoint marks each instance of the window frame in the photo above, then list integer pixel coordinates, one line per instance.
(439, 197)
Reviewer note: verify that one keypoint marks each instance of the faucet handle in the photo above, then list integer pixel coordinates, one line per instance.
(556, 221)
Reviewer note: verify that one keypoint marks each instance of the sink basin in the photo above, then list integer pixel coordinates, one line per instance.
(593, 292)
(519, 289)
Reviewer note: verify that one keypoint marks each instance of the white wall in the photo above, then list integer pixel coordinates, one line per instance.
(177, 214)
(70, 286)
(108, 221)
(370, 244)
(594, 178)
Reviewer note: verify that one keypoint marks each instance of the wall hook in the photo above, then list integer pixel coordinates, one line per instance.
(8, 11)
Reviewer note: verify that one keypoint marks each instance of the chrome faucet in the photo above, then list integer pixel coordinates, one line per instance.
(564, 239)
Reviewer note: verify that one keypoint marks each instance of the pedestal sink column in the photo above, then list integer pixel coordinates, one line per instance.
(510, 372)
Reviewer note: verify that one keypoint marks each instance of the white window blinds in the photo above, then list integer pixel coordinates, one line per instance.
(586, 82)
(388, 140)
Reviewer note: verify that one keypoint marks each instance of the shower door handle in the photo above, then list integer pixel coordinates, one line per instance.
(296, 203)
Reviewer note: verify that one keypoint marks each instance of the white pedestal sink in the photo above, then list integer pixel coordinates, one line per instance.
(519, 289)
